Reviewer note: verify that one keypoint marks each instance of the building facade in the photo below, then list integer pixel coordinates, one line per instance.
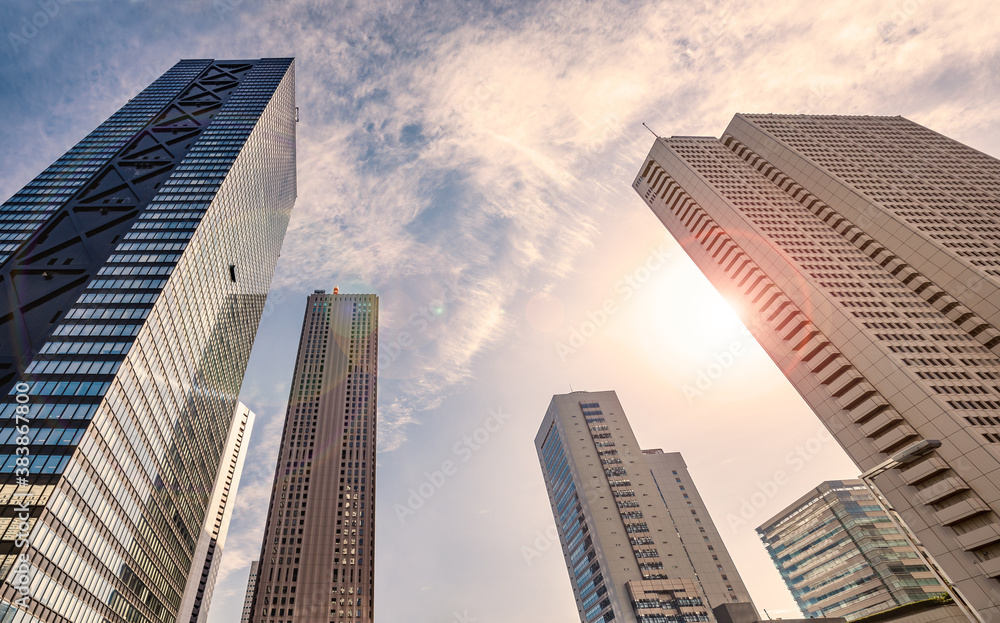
(841, 556)
(251, 589)
(638, 542)
(137, 268)
(702, 542)
(207, 558)
(317, 560)
(863, 253)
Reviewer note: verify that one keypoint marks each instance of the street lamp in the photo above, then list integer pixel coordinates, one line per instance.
(904, 456)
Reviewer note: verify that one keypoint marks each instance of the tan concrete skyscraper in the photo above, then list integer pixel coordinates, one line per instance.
(703, 544)
(865, 255)
(638, 541)
(317, 560)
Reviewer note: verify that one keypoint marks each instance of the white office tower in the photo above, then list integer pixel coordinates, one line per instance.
(638, 541)
(208, 552)
(864, 256)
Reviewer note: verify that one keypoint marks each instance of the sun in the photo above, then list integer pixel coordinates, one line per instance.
(685, 318)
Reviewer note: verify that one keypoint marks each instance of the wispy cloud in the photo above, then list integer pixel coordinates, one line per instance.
(483, 146)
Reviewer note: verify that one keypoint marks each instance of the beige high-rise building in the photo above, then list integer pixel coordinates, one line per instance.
(638, 541)
(317, 560)
(703, 544)
(864, 255)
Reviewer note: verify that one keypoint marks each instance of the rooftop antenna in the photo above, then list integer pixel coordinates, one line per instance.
(765, 612)
(571, 388)
(651, 130)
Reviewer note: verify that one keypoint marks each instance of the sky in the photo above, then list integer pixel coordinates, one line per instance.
(474, 160)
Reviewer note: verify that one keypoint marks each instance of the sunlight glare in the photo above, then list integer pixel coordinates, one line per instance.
(684, 319)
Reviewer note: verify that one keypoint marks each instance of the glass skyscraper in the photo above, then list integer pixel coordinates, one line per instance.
(840, 555)
(864, 256)
(136, 269)
(317, 559)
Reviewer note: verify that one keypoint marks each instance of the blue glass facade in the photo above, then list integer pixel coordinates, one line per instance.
(586, 571)
(128, 402)
(29, 208)
(840, 555)
(59, 230)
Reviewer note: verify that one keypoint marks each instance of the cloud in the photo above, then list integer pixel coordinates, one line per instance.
(484, 148)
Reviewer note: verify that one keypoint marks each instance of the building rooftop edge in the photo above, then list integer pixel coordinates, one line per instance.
(814, 493)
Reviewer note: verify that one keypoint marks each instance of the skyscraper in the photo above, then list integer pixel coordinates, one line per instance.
(251, 590)
(703, 544)
(638, 541)
(864, 255)
(208, 552)
(840, 556)
(317, 559)
(136, 266)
